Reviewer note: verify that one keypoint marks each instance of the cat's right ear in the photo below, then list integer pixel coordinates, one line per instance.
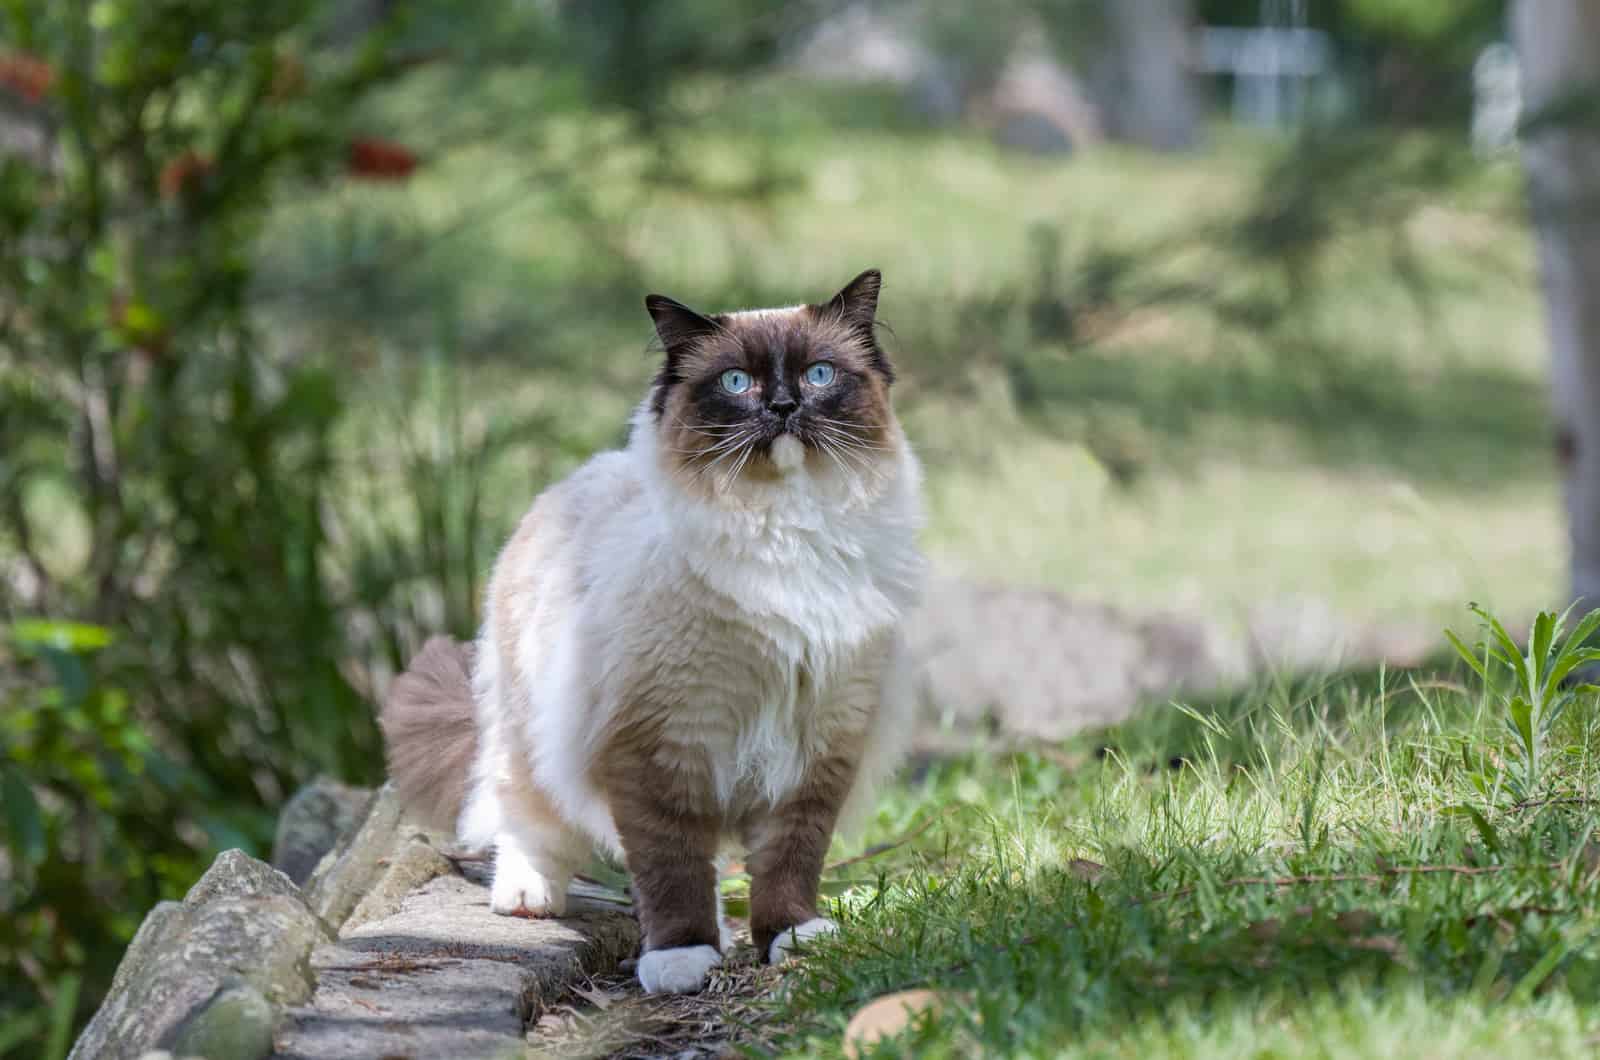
(677, 326)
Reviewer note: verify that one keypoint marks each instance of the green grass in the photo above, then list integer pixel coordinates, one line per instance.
(1075, 905)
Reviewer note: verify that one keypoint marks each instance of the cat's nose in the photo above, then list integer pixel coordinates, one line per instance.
(783, 404)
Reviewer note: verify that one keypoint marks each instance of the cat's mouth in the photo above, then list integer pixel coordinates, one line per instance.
(778, 448)
(787, 451)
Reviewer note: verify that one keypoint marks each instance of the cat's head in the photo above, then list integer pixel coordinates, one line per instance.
(762, 393)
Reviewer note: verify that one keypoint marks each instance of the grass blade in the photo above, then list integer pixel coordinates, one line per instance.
(63, 1010)
(1467, 655)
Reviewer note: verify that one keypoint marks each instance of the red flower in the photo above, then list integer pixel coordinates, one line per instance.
(373, 159)
(183, 174)
(27, 75)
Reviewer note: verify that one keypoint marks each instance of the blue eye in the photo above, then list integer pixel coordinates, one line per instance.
(820, 374)
(735, 382)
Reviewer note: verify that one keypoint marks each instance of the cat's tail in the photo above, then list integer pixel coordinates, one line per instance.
(430, 733)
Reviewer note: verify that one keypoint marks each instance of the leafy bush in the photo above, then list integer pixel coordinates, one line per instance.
(89, 806)
(166, 482)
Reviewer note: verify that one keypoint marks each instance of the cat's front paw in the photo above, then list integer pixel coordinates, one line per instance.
(678, 970)
(788, 942)
(522, 890)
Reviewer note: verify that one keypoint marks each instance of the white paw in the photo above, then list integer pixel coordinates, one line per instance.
(784, 946)
(679, 970)
(522, 890)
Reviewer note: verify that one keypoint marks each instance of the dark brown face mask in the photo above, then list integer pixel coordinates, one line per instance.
(732, 384)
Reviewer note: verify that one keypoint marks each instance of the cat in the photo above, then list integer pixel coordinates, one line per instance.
(690, 641)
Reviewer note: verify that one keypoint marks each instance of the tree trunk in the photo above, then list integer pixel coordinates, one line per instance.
(1558, 44)
(1151, 97)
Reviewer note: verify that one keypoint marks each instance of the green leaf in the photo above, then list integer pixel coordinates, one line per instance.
(1570, 660)
(1536, 976)
(1521, 721)
(1467, 655)
(36, 633)
(1553, 711)
(1491, 838)
(19, 1029)
(63, 1013)
(1585, 629)
(24, 823)
(1544, 632)
(1503, 647)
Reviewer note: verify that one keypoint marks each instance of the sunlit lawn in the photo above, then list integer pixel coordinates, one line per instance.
(1331, 868)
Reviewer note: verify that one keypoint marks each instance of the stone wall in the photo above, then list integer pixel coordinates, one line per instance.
(387, 950)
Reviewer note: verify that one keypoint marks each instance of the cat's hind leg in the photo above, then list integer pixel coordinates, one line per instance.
(535, 852)
(530, 880)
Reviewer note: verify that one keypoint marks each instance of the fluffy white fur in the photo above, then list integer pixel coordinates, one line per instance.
(789, 943)
(620, 570)
(680, 970)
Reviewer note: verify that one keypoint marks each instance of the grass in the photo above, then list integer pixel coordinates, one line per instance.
(1325, 874)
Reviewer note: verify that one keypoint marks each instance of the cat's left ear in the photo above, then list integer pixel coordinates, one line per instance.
(678, 327)
(857, 308)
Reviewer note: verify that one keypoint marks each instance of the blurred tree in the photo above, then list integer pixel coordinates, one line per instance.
(1150, 98)
(1559, 45)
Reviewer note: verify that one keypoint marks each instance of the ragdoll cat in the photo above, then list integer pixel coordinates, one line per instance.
(690, 641)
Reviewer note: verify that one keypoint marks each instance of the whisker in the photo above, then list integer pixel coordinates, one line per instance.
(847, 440)
(740, 445)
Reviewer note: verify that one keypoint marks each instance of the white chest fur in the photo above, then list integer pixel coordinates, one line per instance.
(816, 575)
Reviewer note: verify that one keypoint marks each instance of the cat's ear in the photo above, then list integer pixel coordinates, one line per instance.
(677, 326)
(856, 306)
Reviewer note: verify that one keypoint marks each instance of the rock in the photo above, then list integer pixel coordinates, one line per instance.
(235, 874)
(1039, 664)
(347, 872)
(236, 1024)
(1036, 105)
(312, 823)
(416, 863)
(159, 925)
(187, 957)
(861, 44)
(443, 976)
(1307, 635)
(262, 941)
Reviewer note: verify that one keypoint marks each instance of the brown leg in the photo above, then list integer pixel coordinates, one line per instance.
(787, 848)
(669, 856)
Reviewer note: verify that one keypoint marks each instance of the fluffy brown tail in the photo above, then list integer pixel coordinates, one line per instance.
(430, 731)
